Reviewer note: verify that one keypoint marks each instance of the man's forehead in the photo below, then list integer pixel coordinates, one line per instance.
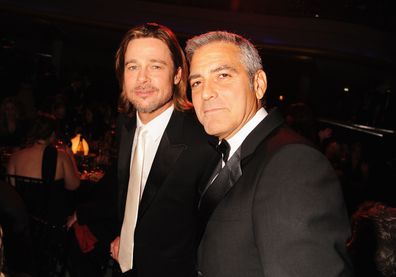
(151, 48)
(142, 44)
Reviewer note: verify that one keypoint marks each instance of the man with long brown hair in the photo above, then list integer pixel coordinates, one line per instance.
(163, 155)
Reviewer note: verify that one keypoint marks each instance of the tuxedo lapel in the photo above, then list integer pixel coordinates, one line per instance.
(264, 129)
(225, 180)
(168, 152)
(124, 160)
(215, 173)
(126, 145)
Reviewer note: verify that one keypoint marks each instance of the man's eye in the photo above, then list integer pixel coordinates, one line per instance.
(156, 67)
(224, 75)
(195, 84)
(132, 67)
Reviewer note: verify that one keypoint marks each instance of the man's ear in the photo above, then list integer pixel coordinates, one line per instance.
(177, 78)
(260, 84)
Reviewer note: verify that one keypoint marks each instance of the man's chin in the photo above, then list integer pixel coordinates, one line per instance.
(211, 131)
(145, 110)
(146, 107)
(150, 108)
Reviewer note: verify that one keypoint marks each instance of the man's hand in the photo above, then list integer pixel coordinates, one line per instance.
(114, 248)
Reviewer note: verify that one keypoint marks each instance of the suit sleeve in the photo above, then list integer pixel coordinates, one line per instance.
(299, 217)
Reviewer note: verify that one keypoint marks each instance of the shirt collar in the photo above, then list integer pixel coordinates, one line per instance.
(236, 140)
(156, 127)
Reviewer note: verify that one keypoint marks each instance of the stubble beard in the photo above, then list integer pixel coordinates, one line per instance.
(150, 107)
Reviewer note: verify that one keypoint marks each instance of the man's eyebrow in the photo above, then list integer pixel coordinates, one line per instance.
(151, 60)
(129, 61)
(217, 69)
(158, 61)
(193, 76)
(223, 67)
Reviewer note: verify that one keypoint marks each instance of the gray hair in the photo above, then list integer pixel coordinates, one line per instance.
(250, 57)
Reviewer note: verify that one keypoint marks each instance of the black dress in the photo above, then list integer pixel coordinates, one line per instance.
(48, 204)
(47, 199)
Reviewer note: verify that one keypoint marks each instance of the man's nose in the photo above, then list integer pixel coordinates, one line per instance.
(208, 91)
(143, 75)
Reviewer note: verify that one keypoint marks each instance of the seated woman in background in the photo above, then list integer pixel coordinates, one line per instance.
(45, 176)
(42, 160)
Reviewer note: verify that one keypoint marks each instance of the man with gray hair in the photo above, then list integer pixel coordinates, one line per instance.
(273, 206)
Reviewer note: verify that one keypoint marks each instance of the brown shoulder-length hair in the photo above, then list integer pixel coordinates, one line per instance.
(43, 127)
(163, 33)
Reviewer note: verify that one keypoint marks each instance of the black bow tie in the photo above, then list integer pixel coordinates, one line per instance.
(224, 149)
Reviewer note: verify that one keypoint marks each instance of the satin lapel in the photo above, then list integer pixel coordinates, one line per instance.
(124, 159)
(168, 152)
(215, 172)
(264, 129)
(126, 141)
(214, 166)
(225, 180)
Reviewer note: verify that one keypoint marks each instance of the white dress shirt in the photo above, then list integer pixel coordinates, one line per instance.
(155, 129)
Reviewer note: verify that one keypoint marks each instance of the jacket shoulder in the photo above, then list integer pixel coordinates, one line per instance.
(285, 136)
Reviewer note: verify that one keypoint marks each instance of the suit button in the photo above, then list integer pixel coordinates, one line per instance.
(199, 274)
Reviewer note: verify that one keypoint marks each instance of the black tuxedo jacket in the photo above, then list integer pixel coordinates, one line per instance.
(283, 216)
(166, 231)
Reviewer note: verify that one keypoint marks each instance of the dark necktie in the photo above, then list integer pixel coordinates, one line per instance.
(224, 149)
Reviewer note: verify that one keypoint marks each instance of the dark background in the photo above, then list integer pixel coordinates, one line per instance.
(336, 56)
(312, 50)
